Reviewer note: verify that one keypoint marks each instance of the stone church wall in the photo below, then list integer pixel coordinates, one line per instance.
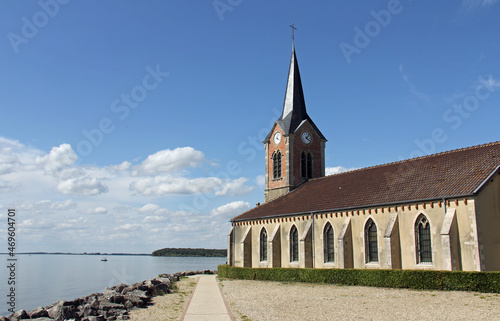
(488, 225)
(453, 237)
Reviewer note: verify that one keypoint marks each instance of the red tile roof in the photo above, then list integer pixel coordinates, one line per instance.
(445, 175)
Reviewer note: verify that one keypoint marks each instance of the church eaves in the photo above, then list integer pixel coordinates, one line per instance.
(453, 174)
(294, 107)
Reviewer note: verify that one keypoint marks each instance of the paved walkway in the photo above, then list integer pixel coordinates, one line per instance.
(207, 302)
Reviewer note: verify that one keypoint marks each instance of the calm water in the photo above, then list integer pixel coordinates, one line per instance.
(43, 279)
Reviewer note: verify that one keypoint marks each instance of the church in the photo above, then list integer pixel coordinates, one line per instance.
(436, 212)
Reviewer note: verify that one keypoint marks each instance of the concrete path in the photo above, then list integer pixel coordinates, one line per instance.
(207, 302)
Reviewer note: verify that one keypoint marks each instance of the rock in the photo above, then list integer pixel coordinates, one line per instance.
(94, 318)
(158, 286)
(86, 311)
(60, 312)
(3, 319)
(38, 313)
(116, 312)
(42, 319)
(105, 306)
(129, 305)
(74, 303)
(134, 300)
(119, 288)
(141, 295)
(19, 315)
(113, 296)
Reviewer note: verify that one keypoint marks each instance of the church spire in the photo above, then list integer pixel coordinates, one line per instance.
(294, 106)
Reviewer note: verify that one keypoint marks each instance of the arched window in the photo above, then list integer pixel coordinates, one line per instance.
(309, 166)
(294, 244)
(423, 240)
(306, 168)
(328, 243)
(277, 165)
(371, 246)
(263, 245)
(303, 164)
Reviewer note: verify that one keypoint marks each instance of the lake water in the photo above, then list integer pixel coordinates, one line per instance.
(43, 279)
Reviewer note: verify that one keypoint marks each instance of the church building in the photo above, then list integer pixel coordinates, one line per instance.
(438, 212)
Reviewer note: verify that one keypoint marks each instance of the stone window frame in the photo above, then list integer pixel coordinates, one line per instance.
(326, 246)
(263, 245)
(306, 164)
(418, 239)
(277, 168)
(371, 253)
(294, 244)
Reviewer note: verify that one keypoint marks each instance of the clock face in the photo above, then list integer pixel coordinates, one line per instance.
(306, 137)
(277, 138)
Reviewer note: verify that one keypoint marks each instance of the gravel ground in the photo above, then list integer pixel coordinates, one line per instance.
(265, 300)
(168, 306)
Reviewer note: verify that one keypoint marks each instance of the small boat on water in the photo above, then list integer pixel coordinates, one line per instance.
(104, 259)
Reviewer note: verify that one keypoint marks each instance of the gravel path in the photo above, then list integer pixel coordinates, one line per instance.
(168, 306)
(265, 300)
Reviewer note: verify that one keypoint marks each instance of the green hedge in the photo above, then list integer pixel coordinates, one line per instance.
(411, 279)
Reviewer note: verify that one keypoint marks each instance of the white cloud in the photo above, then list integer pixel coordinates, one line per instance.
(168, 161)
(129, 227)
(235, 188)
(99, 210)
(65, 206)
(58, 158)
(337, 170)
(121, 167)
(55, 205)
(149, 208)
(47, 205)
(230, 210)
(82, 186)
(163, 185)
(6, 186)
(260, 180)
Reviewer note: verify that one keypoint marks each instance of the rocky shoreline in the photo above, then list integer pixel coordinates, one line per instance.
(114, 303)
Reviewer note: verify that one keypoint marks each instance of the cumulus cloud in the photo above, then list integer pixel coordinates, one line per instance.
(56, 200)
(129, 227)
(235, 188)
(38, 224)
(58, 158)
(99, 210)
(163, 185)
(260, 180)
(6, 186)
(337, 170)
(168, 161)
(230, 210)
(149, 208)
(8, 160)
(82, 186)
(47, 205)
(121, 167)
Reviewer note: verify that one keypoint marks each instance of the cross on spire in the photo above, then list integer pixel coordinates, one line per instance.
(293, 29)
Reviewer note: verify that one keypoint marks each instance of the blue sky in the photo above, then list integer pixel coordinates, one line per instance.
(130, 126)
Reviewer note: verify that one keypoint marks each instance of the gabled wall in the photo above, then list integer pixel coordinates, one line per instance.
(488, 225)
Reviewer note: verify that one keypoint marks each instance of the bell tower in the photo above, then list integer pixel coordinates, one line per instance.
(295, 147)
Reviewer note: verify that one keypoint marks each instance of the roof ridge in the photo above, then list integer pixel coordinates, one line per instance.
(414, 159)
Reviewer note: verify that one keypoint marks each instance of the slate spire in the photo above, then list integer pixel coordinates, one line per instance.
(294, 106)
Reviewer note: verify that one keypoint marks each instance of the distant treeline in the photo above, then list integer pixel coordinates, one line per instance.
(190, 252)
